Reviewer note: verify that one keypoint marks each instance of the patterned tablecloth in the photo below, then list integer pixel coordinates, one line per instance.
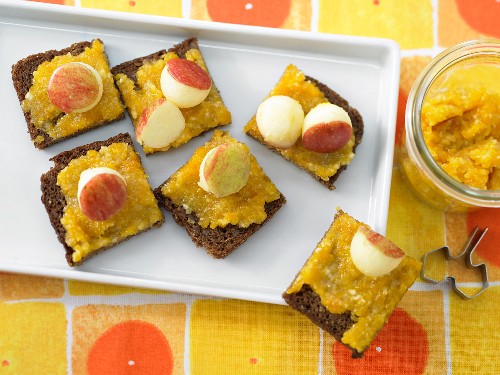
(52, 326)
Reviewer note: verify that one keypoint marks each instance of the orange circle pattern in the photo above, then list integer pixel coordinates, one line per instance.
(268, 13)
(401, 347)
(131, 347)
(483, 18)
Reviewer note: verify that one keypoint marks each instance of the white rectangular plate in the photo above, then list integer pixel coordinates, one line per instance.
(245, 63)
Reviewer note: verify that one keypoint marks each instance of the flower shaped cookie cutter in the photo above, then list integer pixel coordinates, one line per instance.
(469, 248)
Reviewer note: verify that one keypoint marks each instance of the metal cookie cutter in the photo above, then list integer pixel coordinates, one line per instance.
(474, 240)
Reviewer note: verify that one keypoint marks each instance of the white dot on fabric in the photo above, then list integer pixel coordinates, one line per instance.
(248, 6)
(131, 363)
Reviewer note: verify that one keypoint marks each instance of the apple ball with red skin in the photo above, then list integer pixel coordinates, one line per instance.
(102, 192)
(160, 124)
(185, 83)
(75, 87)
(327, 128)
(373, 254)
(225, 169)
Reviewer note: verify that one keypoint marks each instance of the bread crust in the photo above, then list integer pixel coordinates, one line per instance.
(218, 242)
(307, 302)
(130, 68)
(54, 200)
(22, 78)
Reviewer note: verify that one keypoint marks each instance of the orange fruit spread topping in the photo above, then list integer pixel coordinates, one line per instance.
(293, 83)
(331, 273)
(461, 124)
(242, 208)
(139, 212)
(138, 95)
(47, 117)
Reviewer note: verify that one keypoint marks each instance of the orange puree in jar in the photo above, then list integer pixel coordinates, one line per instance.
(461, 124)
(47, 117)
(243, 208)
(139, 213)
(332, 275)
(293, 83)
(138, 95)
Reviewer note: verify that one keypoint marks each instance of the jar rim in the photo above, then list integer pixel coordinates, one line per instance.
(414, 136)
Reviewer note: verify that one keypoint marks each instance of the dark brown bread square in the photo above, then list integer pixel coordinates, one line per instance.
(308, 302)
(357, 125)
(54, 200)
(130, 68)
(218, 242)
(22, 78)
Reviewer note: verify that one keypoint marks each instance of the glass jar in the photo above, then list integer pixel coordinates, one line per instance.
(427, 178)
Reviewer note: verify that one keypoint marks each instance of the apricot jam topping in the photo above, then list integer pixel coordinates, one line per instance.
(48, 118)
(293, 83)
(138, 95)
(139, 213)
(461, 125)
(331, 274)
(242, 208)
